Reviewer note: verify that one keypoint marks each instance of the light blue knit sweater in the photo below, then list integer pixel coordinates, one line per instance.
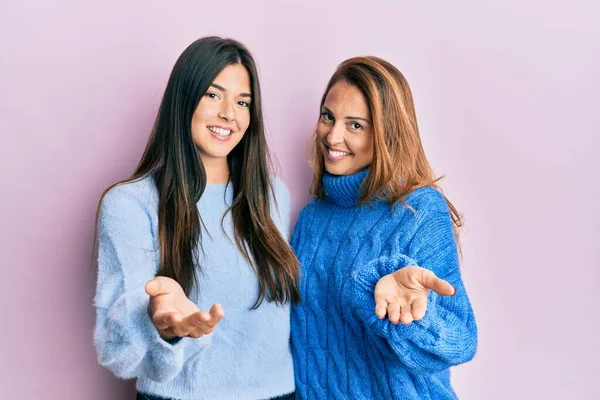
(341, 349)
(248, 354)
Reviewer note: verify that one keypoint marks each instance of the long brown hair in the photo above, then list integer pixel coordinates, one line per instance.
(172, 159)
(399, 163)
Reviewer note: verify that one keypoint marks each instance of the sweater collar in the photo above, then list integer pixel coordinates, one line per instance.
(344, 190)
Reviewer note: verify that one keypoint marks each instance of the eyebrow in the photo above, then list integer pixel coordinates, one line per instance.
(349, 117)
(221, 88)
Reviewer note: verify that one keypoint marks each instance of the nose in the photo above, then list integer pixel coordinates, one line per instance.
(335, 135)
(227, 112)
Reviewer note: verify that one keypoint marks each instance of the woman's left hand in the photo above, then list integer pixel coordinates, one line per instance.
(402, 295)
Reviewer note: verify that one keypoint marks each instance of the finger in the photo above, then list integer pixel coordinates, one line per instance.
(405, 315)
(419, 307)
(440, 286)
(197, 334)
(199, 319)
(393, 312)
(198, 324)
(166, 320)
(190, 323)
(216, 312)
(181, 330)
(161, 285)
(381, 308)
(167, 334)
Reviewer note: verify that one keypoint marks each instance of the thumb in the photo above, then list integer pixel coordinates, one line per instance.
(161, 285)
(440, 286)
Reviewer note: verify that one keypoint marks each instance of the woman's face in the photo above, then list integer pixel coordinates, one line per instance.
(223, 114)
(345, 131)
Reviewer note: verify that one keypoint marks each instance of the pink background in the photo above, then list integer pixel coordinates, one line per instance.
(507, 99)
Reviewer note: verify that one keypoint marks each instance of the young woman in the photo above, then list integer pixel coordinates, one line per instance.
(377, 246)
(195, 276)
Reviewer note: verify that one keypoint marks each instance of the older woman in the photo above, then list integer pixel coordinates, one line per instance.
(384, 312)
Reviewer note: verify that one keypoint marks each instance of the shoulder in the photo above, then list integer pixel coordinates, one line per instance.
(125, 198)
(280, 190)
(281, 197)
(308, 211)
(280, 202)
(427, 199)
(128, 214)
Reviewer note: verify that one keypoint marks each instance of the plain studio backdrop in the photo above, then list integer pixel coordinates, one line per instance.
(506, 96)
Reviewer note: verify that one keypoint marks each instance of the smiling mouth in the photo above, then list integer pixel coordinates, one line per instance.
(336, 154)
(220, 131)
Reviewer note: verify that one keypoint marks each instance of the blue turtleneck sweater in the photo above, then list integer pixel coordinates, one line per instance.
(341, 349)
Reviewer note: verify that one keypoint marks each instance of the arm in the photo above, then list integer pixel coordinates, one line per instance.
(447, 334)
(126, 340)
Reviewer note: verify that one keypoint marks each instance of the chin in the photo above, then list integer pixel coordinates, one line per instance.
(336, 170)
(220, 154)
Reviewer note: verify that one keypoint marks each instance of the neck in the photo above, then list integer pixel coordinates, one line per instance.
(345, 190)
(217, 170)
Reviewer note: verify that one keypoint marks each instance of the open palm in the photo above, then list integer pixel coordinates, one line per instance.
(174, 315)
(402, 295)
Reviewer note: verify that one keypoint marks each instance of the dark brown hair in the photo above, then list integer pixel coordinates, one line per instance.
(172, 159)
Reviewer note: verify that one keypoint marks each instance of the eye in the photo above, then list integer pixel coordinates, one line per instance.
(212, 95)
(243, 103)
(355, 126)
(327, 116)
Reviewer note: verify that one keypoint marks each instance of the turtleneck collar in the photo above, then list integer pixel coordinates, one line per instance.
(344, 190)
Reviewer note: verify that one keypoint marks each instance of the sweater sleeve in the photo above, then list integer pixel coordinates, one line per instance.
(447, 335)
(126, 341)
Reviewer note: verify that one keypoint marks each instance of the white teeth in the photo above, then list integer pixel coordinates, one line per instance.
(337, 154)
(219, 131)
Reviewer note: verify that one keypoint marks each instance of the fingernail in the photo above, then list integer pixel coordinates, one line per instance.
(454, 290)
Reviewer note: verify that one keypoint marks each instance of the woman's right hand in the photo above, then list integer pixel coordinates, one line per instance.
(174, 315)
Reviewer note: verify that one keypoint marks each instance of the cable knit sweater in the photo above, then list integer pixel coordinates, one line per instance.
(246, 357)
(341, 349)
